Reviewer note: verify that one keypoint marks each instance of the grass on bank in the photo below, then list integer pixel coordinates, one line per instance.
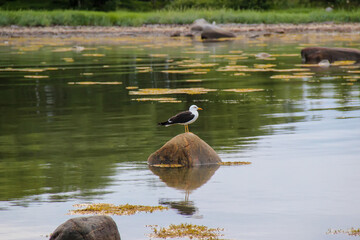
(126, 18)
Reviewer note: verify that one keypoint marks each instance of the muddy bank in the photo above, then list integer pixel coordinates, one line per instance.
(163, 30)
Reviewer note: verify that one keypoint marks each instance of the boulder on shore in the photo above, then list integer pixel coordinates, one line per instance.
(186, 150)
(313, 55)
(199, 24)
(214, 32)
(210, 31)
(87, 228)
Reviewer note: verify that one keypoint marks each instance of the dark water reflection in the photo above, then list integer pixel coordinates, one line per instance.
(63, 143)
(187, 180)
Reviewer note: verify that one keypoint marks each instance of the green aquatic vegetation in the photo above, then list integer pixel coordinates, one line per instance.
(168, 165)
(350, 232)
(110, 209)
(185, 230)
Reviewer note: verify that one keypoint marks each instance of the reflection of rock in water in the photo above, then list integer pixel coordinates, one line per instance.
(187, 179)
(183, 207)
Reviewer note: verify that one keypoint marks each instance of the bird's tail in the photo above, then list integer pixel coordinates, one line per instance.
(166, 124)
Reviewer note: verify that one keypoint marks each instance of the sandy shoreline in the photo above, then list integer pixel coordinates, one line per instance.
(167, 30)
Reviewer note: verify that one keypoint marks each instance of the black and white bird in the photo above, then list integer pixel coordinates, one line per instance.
(183, 118)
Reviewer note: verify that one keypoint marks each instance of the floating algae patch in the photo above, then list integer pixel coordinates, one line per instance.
(232, 68)
(350, 232)
(229, 57)
(350, 67)
(197, 52)
(244, 90)
(94, 83)
(110, 209)
(132, 87)
(164, 91)
(68, 60)
(36, 76)
(343, 63)
(22, 70)
(290, 76)
(179, 71)
(168, 165)
(159, 55)
(193, 80)
(233, 163)
(241, 74)
(199, 65)
(161, 100)
(93, 55)
(291, 70)
(352, 77)
(236, 51)
(68, 49)
(304, 73)
(264, 65)
(144, 69)
(286, 55)
(185, 230)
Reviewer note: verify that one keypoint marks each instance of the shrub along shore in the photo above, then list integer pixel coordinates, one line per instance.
(31, 18)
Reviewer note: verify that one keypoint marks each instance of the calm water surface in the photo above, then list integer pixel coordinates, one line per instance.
(66, 137)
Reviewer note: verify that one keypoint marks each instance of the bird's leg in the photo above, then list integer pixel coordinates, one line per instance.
(186, 128)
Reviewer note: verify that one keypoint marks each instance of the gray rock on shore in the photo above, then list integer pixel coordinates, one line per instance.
(87, 228)
(210, 31)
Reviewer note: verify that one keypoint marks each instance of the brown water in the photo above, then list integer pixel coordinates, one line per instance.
(68, 138)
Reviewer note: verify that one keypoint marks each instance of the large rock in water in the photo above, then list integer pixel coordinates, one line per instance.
(317, 54)
(87, 228)
(185, 149)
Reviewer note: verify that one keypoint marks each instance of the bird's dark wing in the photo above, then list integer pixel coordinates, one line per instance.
(182, 117)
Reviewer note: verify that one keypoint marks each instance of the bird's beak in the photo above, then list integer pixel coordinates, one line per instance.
(200, 109)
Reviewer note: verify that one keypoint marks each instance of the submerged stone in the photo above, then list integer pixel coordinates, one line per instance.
(87, 228)
(318, 54)
(186, 150)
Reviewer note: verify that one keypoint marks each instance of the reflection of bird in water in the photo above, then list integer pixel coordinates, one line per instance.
(183, 207)
(185, 179)
(184, 118)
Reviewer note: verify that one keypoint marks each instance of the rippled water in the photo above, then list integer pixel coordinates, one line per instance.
(68, 138)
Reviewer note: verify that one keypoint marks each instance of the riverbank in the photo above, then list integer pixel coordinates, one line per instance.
(30, 18)
(167, 30)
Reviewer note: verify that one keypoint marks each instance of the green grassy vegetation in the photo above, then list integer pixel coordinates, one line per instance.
(127, 18)
(150, 5)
